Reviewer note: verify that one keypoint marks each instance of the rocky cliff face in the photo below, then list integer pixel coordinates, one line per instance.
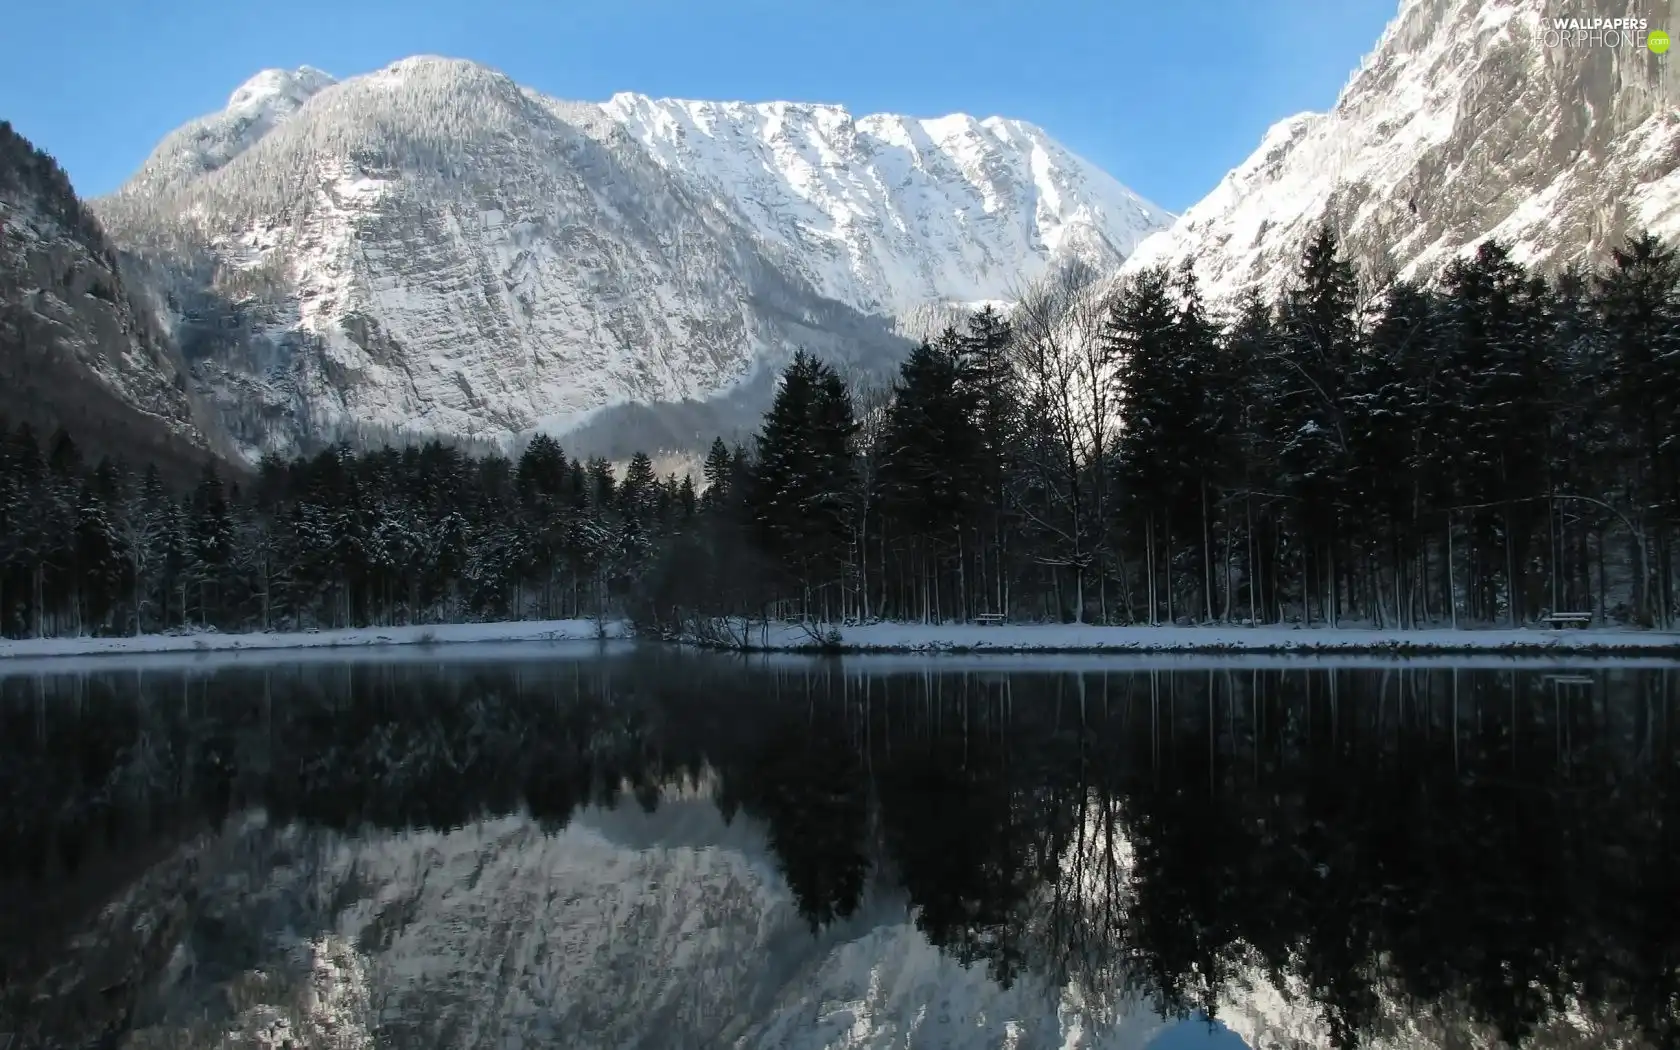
(78, 347)
(432, 248)
(1471, 119)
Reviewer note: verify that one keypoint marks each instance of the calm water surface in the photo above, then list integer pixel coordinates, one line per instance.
(633, 848)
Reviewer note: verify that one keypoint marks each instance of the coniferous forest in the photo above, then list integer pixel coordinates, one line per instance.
(1488, 447)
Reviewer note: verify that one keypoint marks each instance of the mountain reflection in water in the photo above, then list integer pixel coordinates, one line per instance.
(658, 849)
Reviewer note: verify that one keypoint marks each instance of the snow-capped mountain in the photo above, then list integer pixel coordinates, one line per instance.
(1471, 119)
(887, 213)
(433, 248)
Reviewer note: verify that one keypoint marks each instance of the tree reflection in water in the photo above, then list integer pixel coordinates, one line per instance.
(1412, 855)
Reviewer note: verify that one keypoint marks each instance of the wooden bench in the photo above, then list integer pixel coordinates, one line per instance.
(1564, 619)
(989, 619)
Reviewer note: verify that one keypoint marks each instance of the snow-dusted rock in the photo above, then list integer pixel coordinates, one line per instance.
(1469, 120)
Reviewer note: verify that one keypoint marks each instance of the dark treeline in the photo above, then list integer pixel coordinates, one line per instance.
(1475, 857)
(1489, 448)
(423, 535)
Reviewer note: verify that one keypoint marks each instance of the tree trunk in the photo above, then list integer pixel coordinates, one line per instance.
(1149, 568)
(1207, 556)
(1452, 584)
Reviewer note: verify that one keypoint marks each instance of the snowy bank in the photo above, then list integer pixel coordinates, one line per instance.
(418, 634)
(1079, 638)
(502, 639)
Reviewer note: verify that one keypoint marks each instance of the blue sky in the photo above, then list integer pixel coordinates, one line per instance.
(1165, 96)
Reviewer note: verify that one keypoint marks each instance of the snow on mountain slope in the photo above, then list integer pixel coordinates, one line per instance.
(887, 213)
(432, 248)
(1467, 121)
(428, 249)
(209, 142)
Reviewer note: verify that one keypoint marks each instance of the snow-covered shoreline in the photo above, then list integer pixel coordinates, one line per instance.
(1090, 638)
(508, 640)
(416, 634)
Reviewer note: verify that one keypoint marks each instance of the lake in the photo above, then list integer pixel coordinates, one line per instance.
(539, 846)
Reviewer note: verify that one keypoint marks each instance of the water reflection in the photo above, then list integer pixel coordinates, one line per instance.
(659, 849)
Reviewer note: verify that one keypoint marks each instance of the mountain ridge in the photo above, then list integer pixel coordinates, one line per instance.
(434, 247)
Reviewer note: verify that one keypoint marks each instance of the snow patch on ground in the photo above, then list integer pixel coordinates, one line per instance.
(911, 637)
(415, 634)
(504, 638)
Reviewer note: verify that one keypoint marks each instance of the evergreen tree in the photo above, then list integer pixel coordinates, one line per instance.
(1392, 456)
(989, 372)
(802, 483)
(1317, 337)
(1639, 303)
(1156, 411)
(931, 476)
(542, 472)
(639, 491)
(1249, 345)
(210, 550)
(719, 474)
(1497, 407)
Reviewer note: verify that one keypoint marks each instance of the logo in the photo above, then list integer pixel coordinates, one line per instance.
(1602, 32)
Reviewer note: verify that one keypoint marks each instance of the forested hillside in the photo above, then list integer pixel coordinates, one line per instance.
(1489, 448)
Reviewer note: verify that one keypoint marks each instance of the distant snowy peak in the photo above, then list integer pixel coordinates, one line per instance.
(1467, 121)
(254, 109)
(279, 90)
(887, 212)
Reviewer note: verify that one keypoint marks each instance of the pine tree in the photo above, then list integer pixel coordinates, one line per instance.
(541, 474)
(1143, 337)
(719, 474)
(1249, 344)
(101, 581)
(930, 479)
(603, 486)
(1387, 421)
(803, 480)
(1498, 407)
(989, 372)
(1639, 303)
(639, 491)
(688, 502)
(1317, 338)
(210, 547)
(28, 539)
